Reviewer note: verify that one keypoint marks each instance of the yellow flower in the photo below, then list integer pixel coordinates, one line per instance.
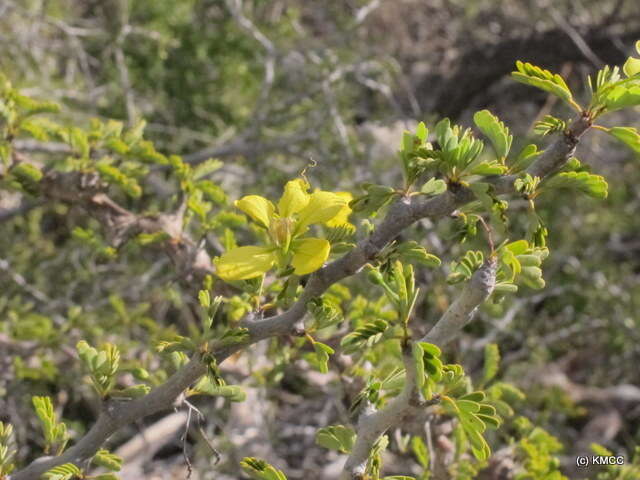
(297, 210)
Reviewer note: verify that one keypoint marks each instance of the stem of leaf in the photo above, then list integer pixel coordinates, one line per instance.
(489, 234)
(258, 297)
(576, 106)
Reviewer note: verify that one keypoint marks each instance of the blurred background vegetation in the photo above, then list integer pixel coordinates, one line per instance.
(271, 87)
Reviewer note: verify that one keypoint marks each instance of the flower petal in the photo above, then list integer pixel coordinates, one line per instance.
(322, 207)
(294, 198)
(309, 254)
(342, 217)
(257, 207)
(244, 262)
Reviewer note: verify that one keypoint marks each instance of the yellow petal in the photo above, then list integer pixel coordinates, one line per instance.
(322, 207)
(245, 262)
(342, 217)
(309, 254)
(257, 207)
(294, 198)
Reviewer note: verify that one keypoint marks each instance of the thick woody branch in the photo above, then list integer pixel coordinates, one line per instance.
(401, 215)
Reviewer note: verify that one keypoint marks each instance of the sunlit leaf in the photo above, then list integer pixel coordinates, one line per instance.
(495, 130)
(336, 437)
(627, 135)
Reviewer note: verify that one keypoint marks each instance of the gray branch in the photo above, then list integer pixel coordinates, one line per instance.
(461, 311)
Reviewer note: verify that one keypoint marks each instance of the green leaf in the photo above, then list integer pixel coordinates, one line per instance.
(140, 373)
(108, 460)
(258, 469)
(36, 129)
(86, 352)
(593, 185)
(102, 365)
(205, 385)
(507, 391)
(113, 175)
(206, 168)
(79, 142)
(524, 159)
(407, 142)
(365, 335)
(434, 186)
(66, 471)
(422, 132)
(449, 405)
(431, 363)
(134, 134)
(113, 128)
(233, 336)
(431, 349)
(490, 421)
(493, 167)
(462, 269)
(336, 437)
(487, 409)
(505, 287)
(134, 391)
(324, 312)
(491, 362)
(28, 177)
(212, 192)
(600, 450)
(55, 433)
(479, 445)
(30, 106)
(518, 247)
(621, 96)
(503, 408)
(537, 77)
(204, 297)
(476, 396)
(628, 135)
(468, 406)
(412, 252)
(496, 131)
(631, 66)
(418, 360)
(116, 145)
(549, 124)
(322, 352)
(420, 451)
(144, 151)
(377, 196)
(44, 411)
(445, 135)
